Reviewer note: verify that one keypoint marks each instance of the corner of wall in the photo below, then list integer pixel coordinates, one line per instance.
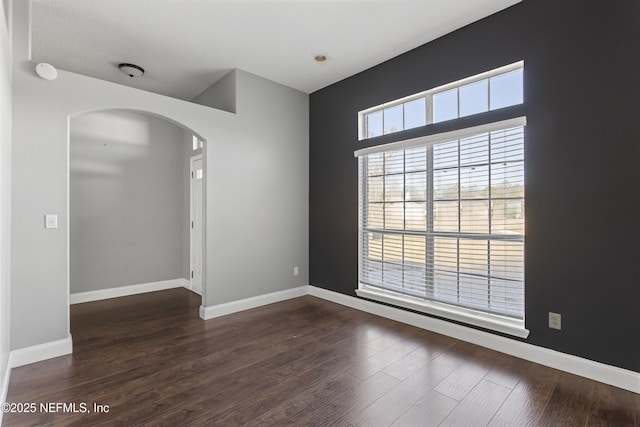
(5, 195)
(220, 95)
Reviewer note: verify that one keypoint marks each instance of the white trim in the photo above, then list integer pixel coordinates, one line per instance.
(443, 137)
(482, 76)
(68, 233)
(37, 353)
(460, 314)
(618, 377)
(123, 291)
(218, 310)
(192, 160)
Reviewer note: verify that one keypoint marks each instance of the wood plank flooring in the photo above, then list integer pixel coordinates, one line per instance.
(305, 361)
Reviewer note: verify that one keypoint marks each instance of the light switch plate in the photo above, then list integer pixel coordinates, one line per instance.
(296, 271)
(51, 221)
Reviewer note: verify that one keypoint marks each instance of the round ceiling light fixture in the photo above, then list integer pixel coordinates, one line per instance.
(320, 57)
(46, 71)
(131, 70)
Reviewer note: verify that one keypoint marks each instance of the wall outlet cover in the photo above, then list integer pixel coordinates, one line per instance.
(555, 320)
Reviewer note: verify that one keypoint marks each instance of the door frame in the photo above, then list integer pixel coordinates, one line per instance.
(192, 160)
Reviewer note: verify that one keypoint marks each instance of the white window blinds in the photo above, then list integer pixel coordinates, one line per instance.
(442, 219)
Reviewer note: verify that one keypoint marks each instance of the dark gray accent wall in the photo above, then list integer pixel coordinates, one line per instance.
(582, 149)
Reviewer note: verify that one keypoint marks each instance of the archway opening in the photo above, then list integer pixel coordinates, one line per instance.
(130, 205)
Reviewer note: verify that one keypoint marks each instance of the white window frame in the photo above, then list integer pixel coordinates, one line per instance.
(196, 143)
(503, 324)
(428, 96)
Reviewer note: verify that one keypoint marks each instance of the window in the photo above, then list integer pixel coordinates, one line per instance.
(484, 92)
(442, 225)
(196, 143)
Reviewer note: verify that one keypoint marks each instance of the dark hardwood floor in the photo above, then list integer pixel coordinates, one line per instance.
(305, 361)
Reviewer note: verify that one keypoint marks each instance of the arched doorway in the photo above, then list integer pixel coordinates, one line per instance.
(130, 210)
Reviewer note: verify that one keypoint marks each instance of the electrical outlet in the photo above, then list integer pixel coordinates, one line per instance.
(296, 270)
(555, 320)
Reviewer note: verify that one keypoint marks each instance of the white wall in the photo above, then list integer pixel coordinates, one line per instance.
(126, 200)
(221, 94)
(265, 189)
(5, 197)
(256, 187)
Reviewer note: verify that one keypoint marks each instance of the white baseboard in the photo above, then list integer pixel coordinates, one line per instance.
(37, 353)
(618, 377)
(211, 312)
(27, 355)
(124, 291)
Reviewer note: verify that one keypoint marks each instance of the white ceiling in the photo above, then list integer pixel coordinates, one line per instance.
(186, 45)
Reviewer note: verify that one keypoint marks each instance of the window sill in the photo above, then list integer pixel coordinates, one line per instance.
(471, 317)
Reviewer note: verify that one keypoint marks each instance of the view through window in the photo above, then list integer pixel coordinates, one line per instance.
(444, 222)
(488, 91)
